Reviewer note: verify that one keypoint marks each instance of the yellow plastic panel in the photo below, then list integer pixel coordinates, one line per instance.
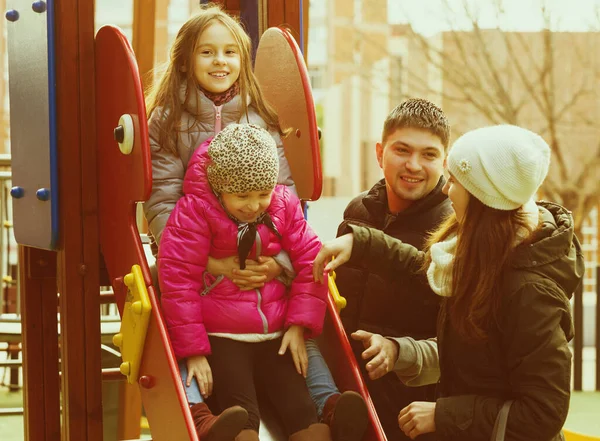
(574, 436)
(134, 324)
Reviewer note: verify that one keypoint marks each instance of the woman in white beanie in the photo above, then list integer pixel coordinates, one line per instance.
(506, 267)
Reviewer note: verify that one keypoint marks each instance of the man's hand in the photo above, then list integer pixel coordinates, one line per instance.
(294, 339)
(417, 418)
(198, 367)
(383, 351)
(254, 276)
(222, 267)
(340, 249)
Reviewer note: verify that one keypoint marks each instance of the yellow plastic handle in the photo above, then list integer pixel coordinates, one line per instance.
(340, 302)
(134, 324)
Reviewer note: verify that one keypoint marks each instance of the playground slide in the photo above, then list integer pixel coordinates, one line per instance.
(124, 173)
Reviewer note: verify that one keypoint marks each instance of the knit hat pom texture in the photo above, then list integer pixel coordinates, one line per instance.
(503, 166)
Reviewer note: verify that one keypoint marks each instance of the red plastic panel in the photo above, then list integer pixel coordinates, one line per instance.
(125, 179)
(284, 80)
(338, 353)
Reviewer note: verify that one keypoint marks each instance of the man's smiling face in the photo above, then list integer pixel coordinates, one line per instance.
(412, 161)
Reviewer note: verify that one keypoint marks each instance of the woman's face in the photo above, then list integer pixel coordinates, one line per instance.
(217, 59)
(459, 197)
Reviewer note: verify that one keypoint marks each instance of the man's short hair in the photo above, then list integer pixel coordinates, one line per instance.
(419, 114)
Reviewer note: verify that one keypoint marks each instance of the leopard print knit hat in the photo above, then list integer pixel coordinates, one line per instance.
(243, 159)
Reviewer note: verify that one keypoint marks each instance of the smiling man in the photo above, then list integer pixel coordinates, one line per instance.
(407, 203)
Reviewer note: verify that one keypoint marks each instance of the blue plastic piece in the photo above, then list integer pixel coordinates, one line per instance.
(17, 192)
(12, 15)
(43, 194)
(53, 124)
(39, 6)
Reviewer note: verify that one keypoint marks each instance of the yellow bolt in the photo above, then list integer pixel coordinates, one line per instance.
(118, 339)
(137, 307)
(128, 280)
(125, 368)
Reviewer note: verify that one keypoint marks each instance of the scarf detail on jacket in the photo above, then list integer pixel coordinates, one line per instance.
(439, 273)
(223, 97)
(247, 234)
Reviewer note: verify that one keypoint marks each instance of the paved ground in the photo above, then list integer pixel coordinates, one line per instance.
(583, 415)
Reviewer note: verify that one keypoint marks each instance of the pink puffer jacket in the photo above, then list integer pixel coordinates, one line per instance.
(196, 303)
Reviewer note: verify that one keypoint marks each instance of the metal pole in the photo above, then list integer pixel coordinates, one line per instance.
(578, 340)
(598, 328)
(11, 411)
(11, 363)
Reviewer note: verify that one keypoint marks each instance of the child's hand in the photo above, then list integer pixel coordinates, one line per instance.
(294, 339)
(198, 367)
(256, 274)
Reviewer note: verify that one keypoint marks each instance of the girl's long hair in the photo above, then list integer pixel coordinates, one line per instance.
(179, 71)
(486, 241)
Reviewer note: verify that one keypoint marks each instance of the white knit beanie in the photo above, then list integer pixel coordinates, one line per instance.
(502, 166)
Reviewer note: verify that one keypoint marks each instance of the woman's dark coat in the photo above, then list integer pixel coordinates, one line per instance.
(527, 359)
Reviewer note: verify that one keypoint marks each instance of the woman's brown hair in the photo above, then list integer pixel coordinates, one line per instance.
(486, 241)
(179, 71)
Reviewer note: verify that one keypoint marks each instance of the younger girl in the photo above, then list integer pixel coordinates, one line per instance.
(505, 267)
(231, 206)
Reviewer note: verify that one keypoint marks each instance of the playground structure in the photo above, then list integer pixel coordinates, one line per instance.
(99, 186)
(98, 195)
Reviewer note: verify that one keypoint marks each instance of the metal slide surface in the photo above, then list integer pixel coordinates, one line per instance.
(124, 173)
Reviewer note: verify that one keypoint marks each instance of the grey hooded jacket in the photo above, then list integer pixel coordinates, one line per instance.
(198, 121)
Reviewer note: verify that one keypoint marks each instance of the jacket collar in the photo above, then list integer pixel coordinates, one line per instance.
(555, 251)
(197, 103)
(376, 200)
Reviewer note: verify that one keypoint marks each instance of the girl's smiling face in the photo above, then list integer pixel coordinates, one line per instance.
(458, 195)
(247, 207)
(217, 58)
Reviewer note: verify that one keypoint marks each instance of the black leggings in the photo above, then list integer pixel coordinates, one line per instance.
(237, 365)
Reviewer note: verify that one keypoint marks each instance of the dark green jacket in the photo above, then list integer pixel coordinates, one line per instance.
(407, 309)
(527, 359)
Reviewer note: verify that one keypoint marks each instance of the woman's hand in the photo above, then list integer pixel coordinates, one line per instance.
(384, 353)
(254, 276)
(294, 339)
(340, 249)
(198, 367)
(417, 418)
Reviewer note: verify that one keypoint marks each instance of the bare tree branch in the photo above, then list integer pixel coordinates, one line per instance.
(524, 81)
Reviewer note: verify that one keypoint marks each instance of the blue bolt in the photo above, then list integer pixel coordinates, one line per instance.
(17, 192)
(12, 15)
(39, 6)
(43, 194)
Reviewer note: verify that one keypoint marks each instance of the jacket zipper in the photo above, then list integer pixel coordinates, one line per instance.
(258, 294)
(218, 123)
